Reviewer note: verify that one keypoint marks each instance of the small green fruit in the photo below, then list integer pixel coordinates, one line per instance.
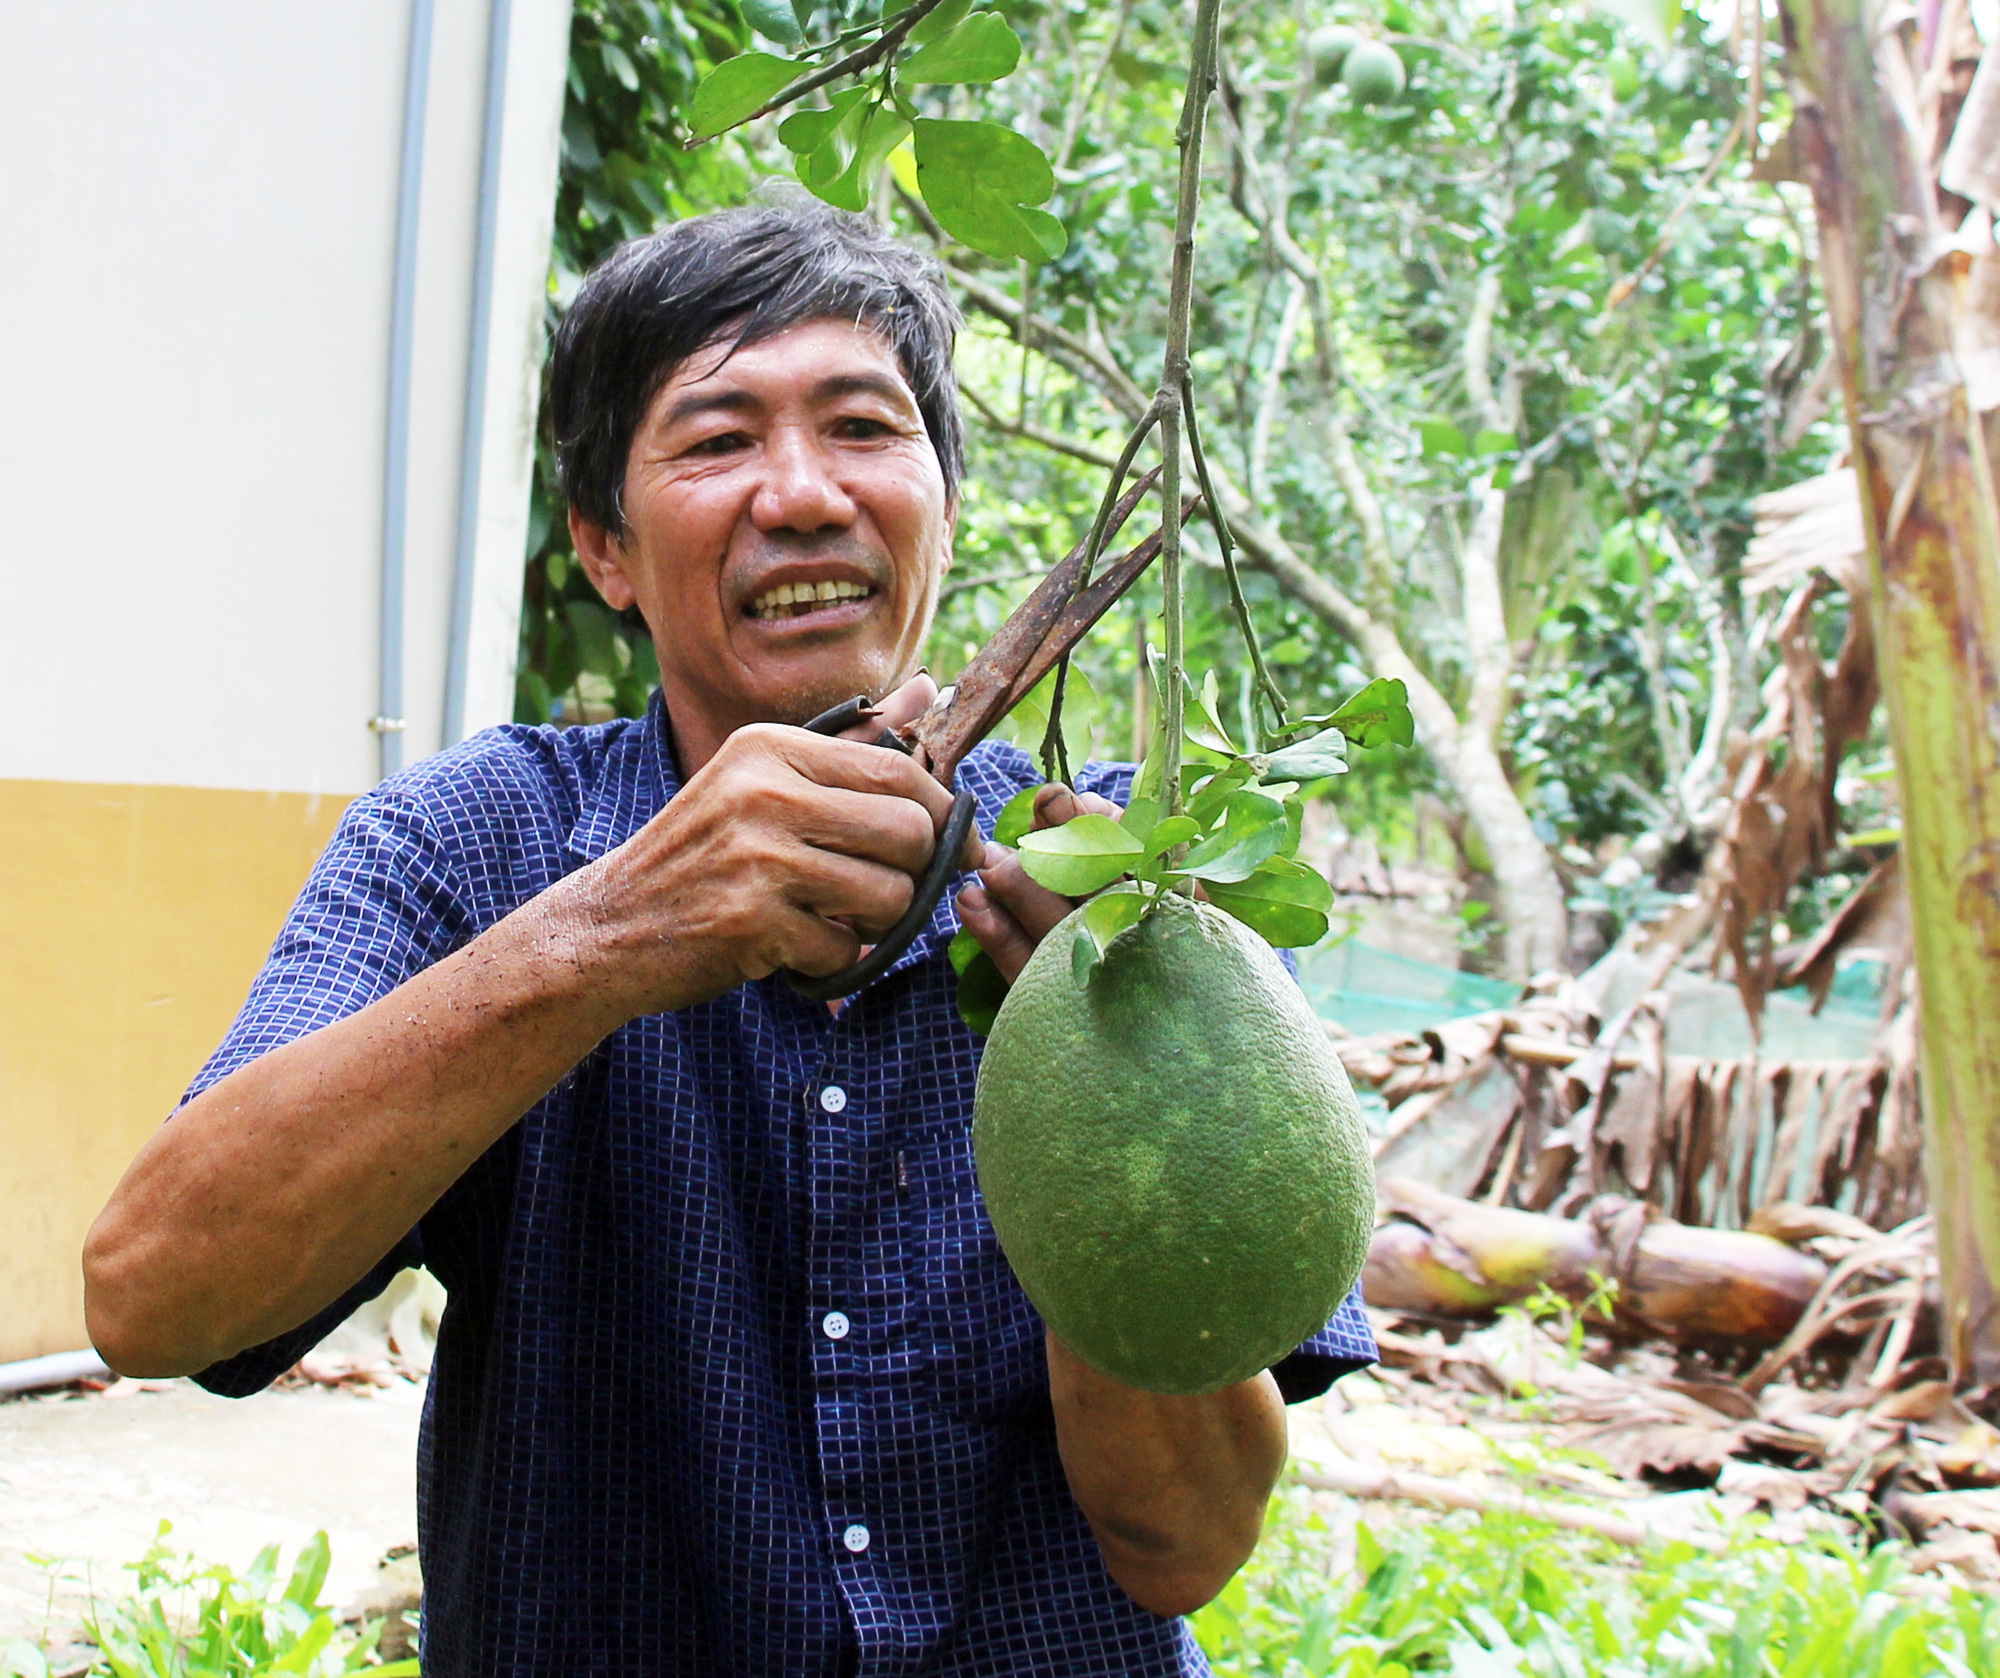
(1373, 73)
(1328, 47)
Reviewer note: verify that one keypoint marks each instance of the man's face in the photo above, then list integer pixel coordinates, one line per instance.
(786, 528)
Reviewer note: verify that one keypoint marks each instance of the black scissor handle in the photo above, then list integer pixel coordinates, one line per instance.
(937, 875)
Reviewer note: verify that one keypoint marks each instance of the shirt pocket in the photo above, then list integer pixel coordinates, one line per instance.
(981, 1341)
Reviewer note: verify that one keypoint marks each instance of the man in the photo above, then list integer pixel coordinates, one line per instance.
(733, 1377)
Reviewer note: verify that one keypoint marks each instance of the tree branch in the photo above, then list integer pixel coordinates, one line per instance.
(1054, 441)
(862, 58)
(1273, 392)
(1080, 356)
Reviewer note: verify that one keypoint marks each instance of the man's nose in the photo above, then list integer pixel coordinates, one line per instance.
(801, 490)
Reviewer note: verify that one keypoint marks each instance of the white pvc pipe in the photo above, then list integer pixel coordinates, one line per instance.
(389, 721)
(472, 445)
(58, 1369)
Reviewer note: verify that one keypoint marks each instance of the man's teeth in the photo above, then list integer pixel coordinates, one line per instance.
(790, 600)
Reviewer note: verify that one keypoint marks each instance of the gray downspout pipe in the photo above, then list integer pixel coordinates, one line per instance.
(472, 444)
(388, 721)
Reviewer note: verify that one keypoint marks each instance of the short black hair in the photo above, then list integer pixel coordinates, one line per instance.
(737, 276)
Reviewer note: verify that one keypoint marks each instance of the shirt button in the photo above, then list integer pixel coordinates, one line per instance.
(834, 1325)
(855, 1538)
(833, 1098)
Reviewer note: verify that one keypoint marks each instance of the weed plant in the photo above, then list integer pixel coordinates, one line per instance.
(184, 1619)
(1511, 1597)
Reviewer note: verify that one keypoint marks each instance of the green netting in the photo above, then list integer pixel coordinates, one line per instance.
(1364, 989)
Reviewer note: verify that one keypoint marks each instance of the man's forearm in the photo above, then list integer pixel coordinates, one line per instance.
(274, 1191)
(1175, 1488)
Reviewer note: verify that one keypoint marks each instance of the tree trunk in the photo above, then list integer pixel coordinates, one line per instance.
(1531, 895)
(1934, 546)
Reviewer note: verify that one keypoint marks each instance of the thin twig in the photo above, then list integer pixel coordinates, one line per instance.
(1051, 440)
(853, 64)
(1080, 105)
(1227, 542)
(1055, 753)
(1174, 379)
(1630, 283)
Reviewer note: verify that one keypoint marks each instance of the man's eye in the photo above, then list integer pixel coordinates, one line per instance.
(857, 425)
(725, 442)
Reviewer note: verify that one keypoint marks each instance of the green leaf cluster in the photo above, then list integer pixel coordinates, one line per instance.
(983, 181)
(1508, 1594)
(1235, 836)
(185, 1619)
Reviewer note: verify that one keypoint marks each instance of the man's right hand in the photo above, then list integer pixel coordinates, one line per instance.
(786, 849)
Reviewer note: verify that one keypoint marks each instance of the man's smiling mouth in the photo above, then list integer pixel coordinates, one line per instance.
(796, 600)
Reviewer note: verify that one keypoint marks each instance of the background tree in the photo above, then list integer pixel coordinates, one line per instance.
(1447, 458)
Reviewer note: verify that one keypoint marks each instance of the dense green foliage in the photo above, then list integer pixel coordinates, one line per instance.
(1651, 343)
(1503, 1597)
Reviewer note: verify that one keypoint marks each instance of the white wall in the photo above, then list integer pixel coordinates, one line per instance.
(200, 202)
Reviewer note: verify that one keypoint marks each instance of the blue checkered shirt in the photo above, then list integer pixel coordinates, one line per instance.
(733, 1377)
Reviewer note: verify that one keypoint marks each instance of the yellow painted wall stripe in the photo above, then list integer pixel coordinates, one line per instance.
(132, 920)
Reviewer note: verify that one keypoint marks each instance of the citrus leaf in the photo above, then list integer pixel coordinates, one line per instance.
(844, 183)
(1307, 760)
(1174, 830)
(734, 89)
(1082, 856)
(1016, 817)
(1493, 442)
(940, 22)
(1441, 438)
(1253, 828)
(1284, 902)
(1206, 799)
(981, 181)
(775, 19)
(981, 990)
(1208, 702)
(1379, 715)
(805, 131)
(1103, 918)
(1142, 815)
(981, 49)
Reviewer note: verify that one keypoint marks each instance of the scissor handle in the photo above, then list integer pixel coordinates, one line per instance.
(937, 875)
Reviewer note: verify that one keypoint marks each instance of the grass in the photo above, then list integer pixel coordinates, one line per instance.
(184, 1619)
(1495, 1597)
(1511, 1597)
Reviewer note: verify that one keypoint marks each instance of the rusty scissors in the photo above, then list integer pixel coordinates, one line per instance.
(1048, 624)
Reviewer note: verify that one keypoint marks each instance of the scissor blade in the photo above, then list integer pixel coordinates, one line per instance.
(989, 686)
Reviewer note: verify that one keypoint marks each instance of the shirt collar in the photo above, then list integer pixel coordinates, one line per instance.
(635, 777)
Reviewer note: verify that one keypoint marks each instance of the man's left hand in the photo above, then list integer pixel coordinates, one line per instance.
(1006, 911)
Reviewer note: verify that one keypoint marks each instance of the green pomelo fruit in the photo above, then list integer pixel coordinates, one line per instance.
(1373, 73)
(1327, 47)
(1172, 1157)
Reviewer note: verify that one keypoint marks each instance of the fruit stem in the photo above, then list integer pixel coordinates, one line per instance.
(1174, 383)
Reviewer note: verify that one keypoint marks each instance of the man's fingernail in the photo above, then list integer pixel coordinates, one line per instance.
(974, 900)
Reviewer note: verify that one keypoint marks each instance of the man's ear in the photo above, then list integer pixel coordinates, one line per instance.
(950, 530)
(603, 559)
